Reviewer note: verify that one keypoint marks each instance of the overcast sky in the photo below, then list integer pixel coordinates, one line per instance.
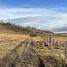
(44, 14)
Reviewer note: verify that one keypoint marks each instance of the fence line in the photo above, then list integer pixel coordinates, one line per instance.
(57, 45)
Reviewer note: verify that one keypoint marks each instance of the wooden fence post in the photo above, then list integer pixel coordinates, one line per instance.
(43, 40)
(53, 42)
(60, 48)
(65, 49)
(50, 40)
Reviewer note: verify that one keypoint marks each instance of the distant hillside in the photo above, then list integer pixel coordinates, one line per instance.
(12, 28)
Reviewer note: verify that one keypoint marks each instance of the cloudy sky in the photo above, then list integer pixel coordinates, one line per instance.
(43, 14)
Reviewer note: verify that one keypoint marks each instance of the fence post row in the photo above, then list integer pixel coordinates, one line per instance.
(53, 43)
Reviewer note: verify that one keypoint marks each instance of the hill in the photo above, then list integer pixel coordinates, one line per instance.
(17, 29)
(12, 28)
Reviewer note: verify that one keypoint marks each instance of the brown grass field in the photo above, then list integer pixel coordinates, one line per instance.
(10, 41)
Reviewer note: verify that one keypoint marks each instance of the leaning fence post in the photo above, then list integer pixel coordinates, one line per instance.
(65, 49)
(50, 41)
(43, 40)
(53, 42)
(60, 48)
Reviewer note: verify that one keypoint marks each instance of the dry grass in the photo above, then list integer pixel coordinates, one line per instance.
(52, 52)
(7, 36)
(9, 42)
(37, 38)
(61, 39)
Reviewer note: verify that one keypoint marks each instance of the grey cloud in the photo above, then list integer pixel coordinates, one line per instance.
(60, 29)
(43, 22)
